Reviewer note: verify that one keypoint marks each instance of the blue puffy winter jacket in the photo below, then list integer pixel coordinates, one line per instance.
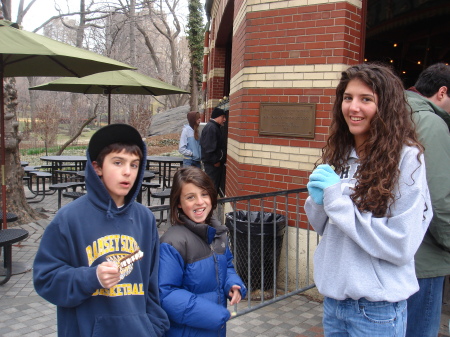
(195, 276)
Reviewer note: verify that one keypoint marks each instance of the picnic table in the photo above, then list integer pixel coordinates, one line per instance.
(165, 165)
(58, 163)
(7, 238)
(10, 217)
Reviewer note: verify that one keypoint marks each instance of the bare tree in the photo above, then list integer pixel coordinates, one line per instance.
(48, 122)
(13, 173)
(89, 24)
(165, 19)
(85, 123)
(140, 116)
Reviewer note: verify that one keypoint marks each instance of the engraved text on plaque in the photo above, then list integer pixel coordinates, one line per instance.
(295, 119)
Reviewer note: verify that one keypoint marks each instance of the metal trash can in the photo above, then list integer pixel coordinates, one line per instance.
(241, 258)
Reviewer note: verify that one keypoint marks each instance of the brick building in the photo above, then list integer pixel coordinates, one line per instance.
(290, 53)
(278, 63)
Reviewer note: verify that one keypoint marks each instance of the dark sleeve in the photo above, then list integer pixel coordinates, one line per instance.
(55, 278)
(209, 144)
(155, 312)
(433, 133)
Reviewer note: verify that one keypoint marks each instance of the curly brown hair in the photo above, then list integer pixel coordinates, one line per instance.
(190, 175)
(390, 129)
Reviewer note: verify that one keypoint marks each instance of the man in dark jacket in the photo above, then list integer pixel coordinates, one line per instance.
(213, 148)
(430, 102)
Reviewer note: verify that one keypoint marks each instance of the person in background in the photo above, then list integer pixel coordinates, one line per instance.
(196, 275)
(190, 141)
(369, 201)
(98, 259)
(213, 153)
(430, 102)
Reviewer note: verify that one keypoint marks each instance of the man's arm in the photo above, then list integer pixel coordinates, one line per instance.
(434, 135)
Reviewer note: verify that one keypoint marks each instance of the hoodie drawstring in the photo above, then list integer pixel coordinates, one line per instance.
(109, 214)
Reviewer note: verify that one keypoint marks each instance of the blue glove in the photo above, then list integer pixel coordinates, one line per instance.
(323, 176)
(315, 193)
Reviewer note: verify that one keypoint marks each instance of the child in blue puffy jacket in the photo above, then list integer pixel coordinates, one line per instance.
(196, 274)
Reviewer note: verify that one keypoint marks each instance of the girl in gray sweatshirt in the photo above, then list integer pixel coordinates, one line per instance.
(370, 203)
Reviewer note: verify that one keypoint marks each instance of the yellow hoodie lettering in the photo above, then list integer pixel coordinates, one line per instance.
(126, 289)
(128, 244)
(104, 245)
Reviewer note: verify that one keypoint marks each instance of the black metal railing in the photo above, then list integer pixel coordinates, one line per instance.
(270, 243)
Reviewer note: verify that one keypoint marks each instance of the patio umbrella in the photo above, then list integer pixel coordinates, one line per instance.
(124, 82)
(28, 54)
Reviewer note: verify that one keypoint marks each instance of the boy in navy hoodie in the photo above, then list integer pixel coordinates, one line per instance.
(98, 259)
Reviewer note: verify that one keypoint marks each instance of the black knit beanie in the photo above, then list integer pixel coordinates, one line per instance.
(217, 112)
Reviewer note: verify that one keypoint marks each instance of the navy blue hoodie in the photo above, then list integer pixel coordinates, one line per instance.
(81, 236)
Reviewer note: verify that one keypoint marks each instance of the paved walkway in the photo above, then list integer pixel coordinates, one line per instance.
(24, 313)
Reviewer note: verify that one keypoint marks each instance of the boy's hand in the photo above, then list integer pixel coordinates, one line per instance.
(235, 294)
(108, 274)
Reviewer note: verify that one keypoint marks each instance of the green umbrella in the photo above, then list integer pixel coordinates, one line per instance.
(28, 54)
(124, 82)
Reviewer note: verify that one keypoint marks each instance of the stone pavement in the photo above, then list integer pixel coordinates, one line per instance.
(24, 313)
(295, 316)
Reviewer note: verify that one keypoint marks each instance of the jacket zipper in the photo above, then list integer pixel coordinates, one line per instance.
(216, 265)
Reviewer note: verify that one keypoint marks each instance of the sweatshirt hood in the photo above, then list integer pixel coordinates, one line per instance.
(99, 195)
(187, 127)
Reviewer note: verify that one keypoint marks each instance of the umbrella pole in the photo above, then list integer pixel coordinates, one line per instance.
(109, 107)
(3, 150)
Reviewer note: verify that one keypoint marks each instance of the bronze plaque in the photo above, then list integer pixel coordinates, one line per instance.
(295, 119)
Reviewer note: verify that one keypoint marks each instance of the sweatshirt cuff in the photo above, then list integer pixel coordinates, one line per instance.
(332, 193)
(92, 282)
(311, 204)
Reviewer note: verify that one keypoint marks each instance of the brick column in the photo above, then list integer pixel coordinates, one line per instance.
(284, 52)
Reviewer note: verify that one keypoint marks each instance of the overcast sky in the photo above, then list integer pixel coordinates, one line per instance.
(41, 11)
(45, 9)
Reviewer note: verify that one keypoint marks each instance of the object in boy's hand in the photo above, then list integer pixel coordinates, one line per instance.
(125, 262)
(131, 258)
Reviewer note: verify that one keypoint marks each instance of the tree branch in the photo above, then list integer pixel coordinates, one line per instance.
(70, 141)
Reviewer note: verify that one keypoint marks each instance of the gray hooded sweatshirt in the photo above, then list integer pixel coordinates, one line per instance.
(360, 255)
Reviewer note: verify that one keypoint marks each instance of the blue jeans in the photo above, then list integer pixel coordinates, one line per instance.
(424, 308)
(362, 318)
(190, 162)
